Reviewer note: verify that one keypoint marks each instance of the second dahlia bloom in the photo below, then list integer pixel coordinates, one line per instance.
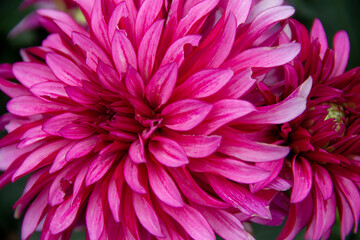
(325, 139)
(127, 124)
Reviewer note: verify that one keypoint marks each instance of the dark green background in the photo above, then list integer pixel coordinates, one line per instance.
(335, 15)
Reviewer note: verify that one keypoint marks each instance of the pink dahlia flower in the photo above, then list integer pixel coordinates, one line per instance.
(325, 139)
(130, 124)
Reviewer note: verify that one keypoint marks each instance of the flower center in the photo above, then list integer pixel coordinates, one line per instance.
(336, 112)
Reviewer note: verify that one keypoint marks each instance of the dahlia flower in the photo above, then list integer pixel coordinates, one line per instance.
(325, 139)
(130, 124)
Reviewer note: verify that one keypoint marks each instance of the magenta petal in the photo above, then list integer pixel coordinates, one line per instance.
(282, 112)
(203, 84)
(248, 150)
(120, 12)
(65, 215)
(37, 157)
(196, 146)
(76, 131)
(192, 190)
(123, 52)
(13, 89)
(29, 105)
(175, 53)
(60, 161)
(163, 185)
(263, 57)
(99, 168)
(324, 182)
(10, 153)
(225, 224)
(94, 213)
(342, 50)
(134, 83)
(161, 85)
(54, 124)
(29, 73)
(146, 16)
(223, 112)
(114, 194)
(302, 179)
(230, 168)
(185, 114)
(191, 220)
(137, 151)
(49, 90)
(99, 25)
(318, 32)
(168, 152)
(146, 214)
(239, 197)
(81, 148)
(240, 8)
(148, 48)
(65, 70)
(134, 177)
(34, 214)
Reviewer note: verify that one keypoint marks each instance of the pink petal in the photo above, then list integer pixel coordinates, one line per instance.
(318, 32)
(175, 53)
(223, 112)
(168, 152)
(39, 157)
(263, 57)
(49, 90)
(60, 161)
(28, 73)
(115, 192)
(191, 220)
(134, 83)
(80, 95)
(94, 213)
(76, 131)
(282, 112)
(123, 52)
(342, 50)
(120, 12)
(225, 224)
(137, 151)
(230, 168)
(185, 114)
(196, 146)
(203, 84)
(108, 76)
(163, 185)
(146, 214)
(99, 25)
(134, 176)
(192, 190)
(13, 89)
(10, 153)
(239, 197)
(98, 168)
(146, 16)
(31, 136)
(91, 50)
(323, 180)
(34, 214)
(302, 179)
(25, 106)
(54, 124)
(161, 85)
(194, 15)
(65, 70)
(148, 48)
(240, 8)
(65, 214)
(81, 148)
(245, 149)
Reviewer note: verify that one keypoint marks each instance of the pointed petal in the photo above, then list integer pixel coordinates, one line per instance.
(168, 152)
(28, 73)
(13, 89)
(123, 52)
(137, 151)
(302, 179)
(185, 114)
(323, 180)
(163, 185)
(191, 220)
(99, 168)
(134, 83)
(161, 85)
(318, 32)
(148, 48)
(240, 8)
(81, 148)
(94, 213)
(342, 51)
(134, 176)
(54, 124)
(76, 131)
(146, 214)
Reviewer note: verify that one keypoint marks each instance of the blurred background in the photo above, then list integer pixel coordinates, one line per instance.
(334, 14)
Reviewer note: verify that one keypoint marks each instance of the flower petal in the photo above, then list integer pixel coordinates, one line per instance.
(134, 176)
(123, 52)
(302, 179)
(185, 114)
